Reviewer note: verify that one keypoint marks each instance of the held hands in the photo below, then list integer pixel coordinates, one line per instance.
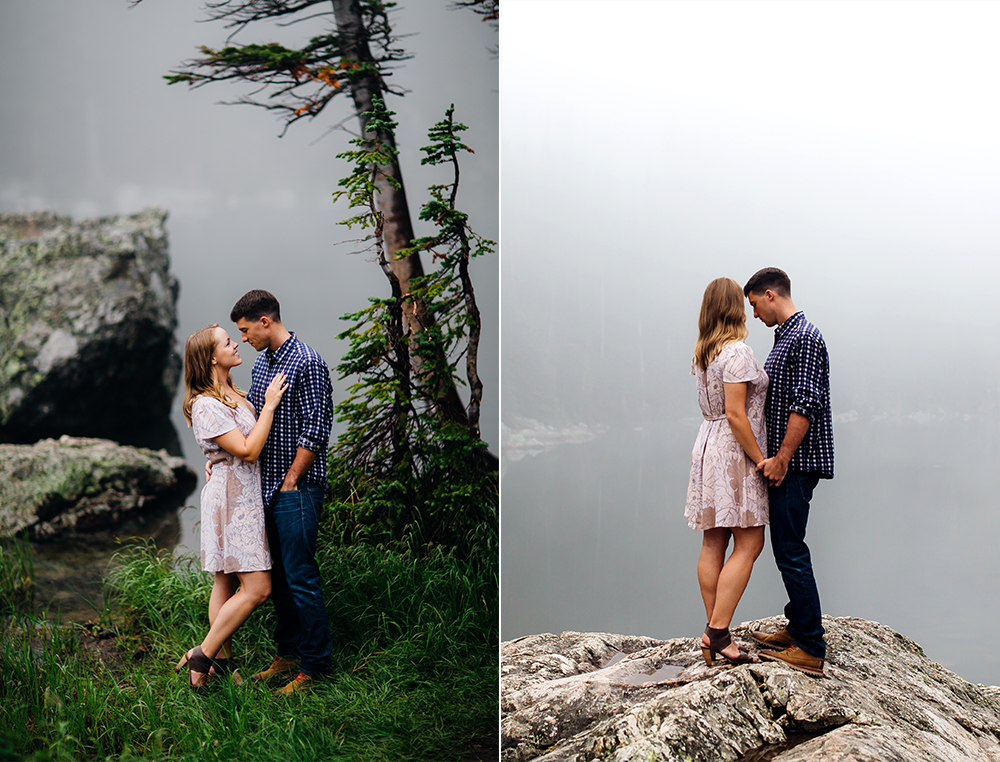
(275, 391)
(774, 470)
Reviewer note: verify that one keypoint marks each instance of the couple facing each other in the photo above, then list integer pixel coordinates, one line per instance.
(266, 480)
(766, 440)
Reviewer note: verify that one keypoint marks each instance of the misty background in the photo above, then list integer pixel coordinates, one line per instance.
(648, 148)
(89, 127)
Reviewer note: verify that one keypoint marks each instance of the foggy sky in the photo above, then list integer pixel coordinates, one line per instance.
(670, 143)
(89, 127)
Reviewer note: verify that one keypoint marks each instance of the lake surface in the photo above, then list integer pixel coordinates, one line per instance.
(69, 574)
(594, 537)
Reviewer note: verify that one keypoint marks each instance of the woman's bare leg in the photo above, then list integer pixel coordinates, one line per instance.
(714, 543)
(255, 587)
(733, 578)
(223, 589)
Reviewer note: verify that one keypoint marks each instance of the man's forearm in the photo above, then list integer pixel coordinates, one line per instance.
(775, 468)
(795, 432)
(303, 460)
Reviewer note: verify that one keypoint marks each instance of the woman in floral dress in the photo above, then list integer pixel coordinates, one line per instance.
(233, 538)
(727, 496)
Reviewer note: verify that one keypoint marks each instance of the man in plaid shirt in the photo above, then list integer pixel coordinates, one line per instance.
(293, 483)
(800, 448)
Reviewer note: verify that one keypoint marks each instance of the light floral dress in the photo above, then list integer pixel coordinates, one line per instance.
(233, 537)
(724, 489)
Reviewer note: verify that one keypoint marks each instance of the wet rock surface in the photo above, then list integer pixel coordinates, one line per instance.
(87, 321)
(598, 696)
(73, 486)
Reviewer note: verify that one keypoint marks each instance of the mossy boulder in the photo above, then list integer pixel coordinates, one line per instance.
(87, 322)
(73, 485)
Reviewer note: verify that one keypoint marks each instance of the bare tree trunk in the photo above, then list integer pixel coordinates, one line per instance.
(472, 353)
(397, 227)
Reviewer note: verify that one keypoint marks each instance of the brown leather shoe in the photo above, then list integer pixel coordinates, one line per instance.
(779, 640)
(301, 682)
(798, 659)
(279, 666)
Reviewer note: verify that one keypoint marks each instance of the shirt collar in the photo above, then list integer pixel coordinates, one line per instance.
(788, 325)
(277, 356)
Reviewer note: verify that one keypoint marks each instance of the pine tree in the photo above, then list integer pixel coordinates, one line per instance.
(402, 473)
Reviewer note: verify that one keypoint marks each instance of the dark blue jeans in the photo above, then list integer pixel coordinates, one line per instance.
(789, 508)
(296, 586)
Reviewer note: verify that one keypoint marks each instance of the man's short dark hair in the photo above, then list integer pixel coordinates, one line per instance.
(253, 305)
(770, 278)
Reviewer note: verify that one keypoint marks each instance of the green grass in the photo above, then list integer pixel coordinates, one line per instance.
(16, 575)
(415, 670)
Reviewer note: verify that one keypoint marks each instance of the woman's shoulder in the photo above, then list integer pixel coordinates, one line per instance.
(739, 363)
(734, 349)
(206, 401)
(208, 407)
(740, 347)
(210, 417)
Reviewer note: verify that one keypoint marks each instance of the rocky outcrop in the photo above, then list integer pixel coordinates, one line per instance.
(87, 320)
(70, 485)
(595, 696)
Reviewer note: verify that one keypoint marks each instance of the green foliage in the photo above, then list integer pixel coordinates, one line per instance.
(402, 472)
(264, 59)
(162, 591)
(17, 585)
(444, 493)
(414, 675)
(455, 321)
(372, 153)
(298, 82)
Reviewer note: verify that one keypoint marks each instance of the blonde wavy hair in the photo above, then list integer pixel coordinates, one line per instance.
(199, 375)
(723, 319)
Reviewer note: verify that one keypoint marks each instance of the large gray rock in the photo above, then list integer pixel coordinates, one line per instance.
(596, 696)
(72, 485)
(87, 329)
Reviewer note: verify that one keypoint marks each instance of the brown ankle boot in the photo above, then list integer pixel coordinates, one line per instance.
(779, 640)
(279, 666)
(798, 659)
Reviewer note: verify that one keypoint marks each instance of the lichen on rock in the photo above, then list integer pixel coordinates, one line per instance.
(575, 697)
(87, 322)
(77, 485)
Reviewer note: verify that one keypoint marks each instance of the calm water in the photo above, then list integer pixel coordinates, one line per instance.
(594, 537)
(69, 574)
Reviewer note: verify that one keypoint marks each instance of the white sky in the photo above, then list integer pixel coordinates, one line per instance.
(652, 144)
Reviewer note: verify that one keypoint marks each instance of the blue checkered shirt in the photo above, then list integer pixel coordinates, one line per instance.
(799, 371)
(303, 418)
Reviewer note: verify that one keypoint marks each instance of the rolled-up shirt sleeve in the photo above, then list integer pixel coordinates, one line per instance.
(315, 401)
(810, 370)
